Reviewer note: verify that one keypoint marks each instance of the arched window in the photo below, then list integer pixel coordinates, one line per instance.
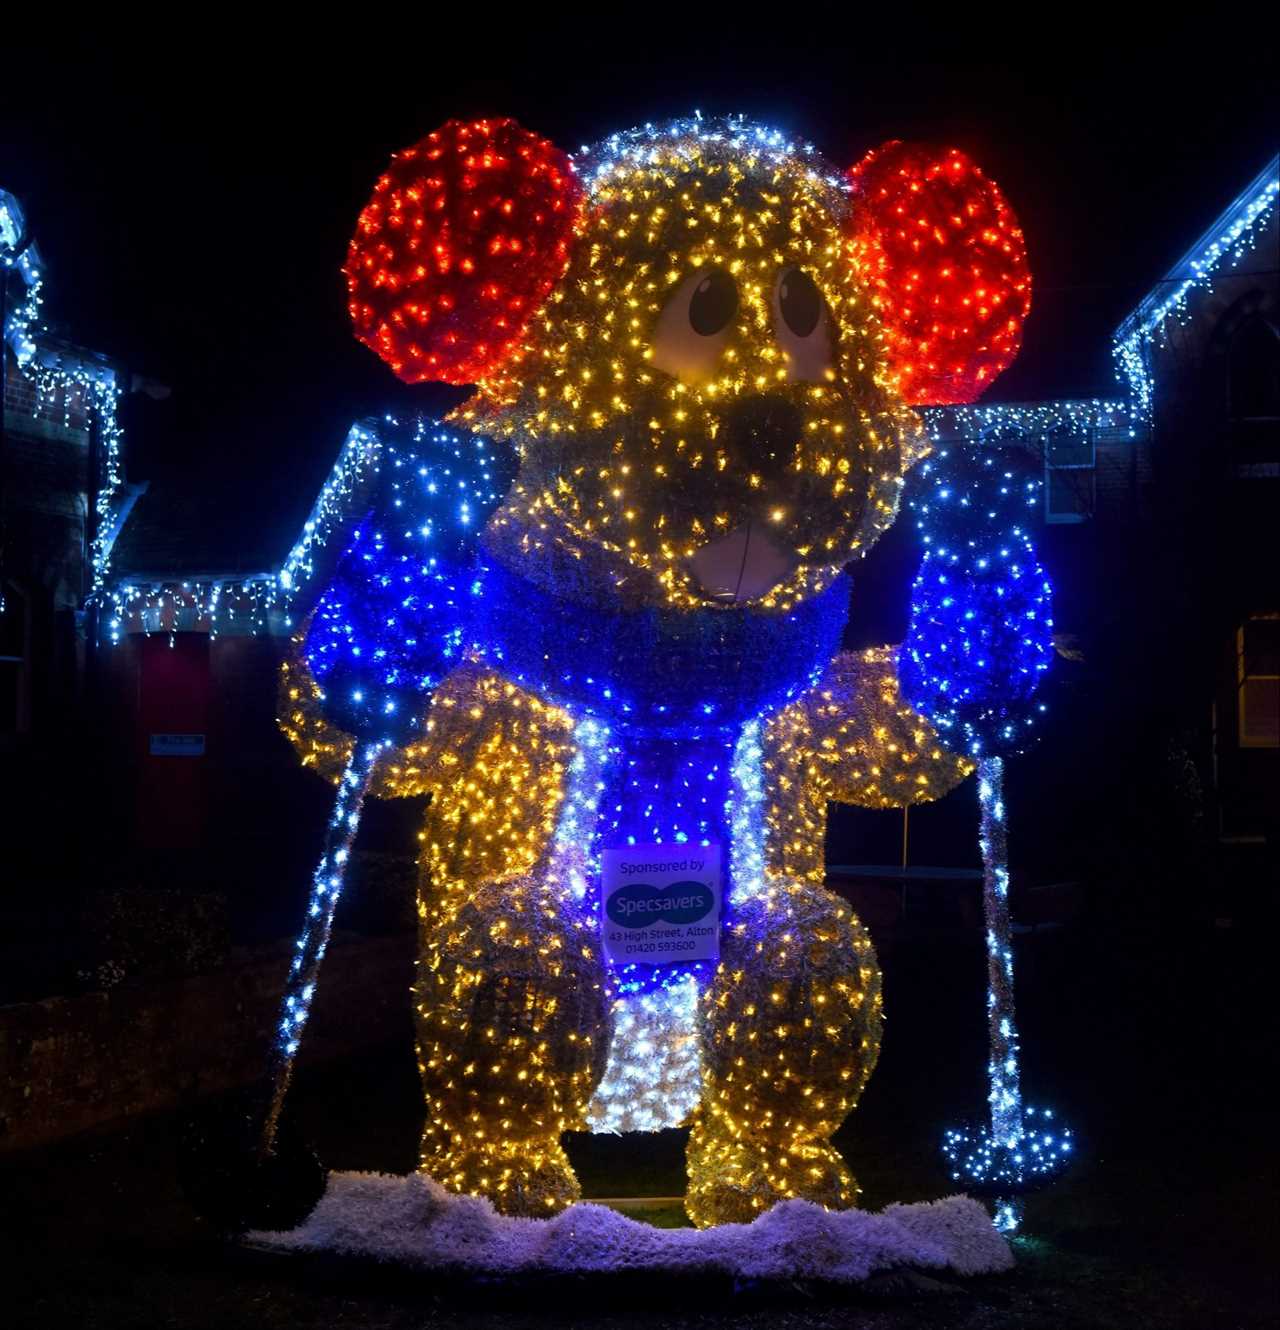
(1253, 371)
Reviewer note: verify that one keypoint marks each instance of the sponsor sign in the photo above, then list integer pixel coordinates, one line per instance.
(177, 745)
(660, 903)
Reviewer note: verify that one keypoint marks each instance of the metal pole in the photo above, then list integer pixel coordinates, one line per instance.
(1002, 1032)
(309, 949)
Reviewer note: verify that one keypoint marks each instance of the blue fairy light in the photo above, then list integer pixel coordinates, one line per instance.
(981, 633)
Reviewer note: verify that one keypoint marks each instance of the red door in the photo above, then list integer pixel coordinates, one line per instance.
(173, 724)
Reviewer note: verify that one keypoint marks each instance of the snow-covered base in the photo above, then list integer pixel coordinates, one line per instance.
(413, 1221)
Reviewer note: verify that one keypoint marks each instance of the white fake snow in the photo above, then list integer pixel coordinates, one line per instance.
(413, 1221)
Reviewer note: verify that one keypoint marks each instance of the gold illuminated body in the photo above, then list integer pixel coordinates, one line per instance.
(677, 405)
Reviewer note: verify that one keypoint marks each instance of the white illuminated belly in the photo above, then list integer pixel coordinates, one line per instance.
(620, 789)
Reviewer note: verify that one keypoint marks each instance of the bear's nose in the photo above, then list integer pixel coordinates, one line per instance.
(763, 431)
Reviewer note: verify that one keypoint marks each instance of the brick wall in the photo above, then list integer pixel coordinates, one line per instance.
(60, 414)
(71, 1063)
(1123, 471)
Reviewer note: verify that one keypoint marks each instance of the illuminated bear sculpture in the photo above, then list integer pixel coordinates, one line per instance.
(697, 348)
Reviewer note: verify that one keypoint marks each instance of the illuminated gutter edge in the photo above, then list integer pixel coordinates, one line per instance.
(55, 366)
(213, 596)
(1009, 421)
(1229, 239)
(1207, 253)
(262, 576)
(245, 601)
(52, 372)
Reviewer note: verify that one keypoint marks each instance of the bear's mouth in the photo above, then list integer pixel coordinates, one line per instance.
(744, 565)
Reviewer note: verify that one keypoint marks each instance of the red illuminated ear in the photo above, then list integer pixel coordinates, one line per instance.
(945, 258)
(461, 242)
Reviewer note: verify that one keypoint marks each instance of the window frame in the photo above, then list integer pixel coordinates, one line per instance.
(1244, 676)
(1088, 439)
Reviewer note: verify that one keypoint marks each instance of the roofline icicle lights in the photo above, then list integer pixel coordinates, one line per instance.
(1225, 243)
(221, 603)
(93, 385)
(1011, 422)
(358, 461)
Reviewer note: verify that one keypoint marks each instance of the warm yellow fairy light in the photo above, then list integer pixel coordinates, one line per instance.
(513, 1032)
(791, 1033)
(850, 740)
(511, 1006)
(492, 756)
(874, 749)
(511, 1009)
(582, 391)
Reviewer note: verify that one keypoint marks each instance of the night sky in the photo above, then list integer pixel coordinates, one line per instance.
(192, 202)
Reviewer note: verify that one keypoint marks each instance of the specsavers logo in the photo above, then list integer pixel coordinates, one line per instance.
(638, 905)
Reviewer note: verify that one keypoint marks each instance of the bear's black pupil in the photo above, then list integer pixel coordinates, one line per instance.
(714, 301)
(801, 302)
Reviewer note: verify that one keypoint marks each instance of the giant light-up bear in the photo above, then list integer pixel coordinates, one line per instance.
(615, 664)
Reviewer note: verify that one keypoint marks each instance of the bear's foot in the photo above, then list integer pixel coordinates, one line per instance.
(528, 1179)
(790, 1027)
(735, 1181)
(513, 1021)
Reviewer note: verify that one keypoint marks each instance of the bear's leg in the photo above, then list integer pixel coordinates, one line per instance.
(512, 1018)
(790, 1028)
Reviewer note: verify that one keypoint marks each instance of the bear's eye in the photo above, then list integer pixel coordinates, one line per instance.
(713, 303)
(799, 301)
(803, 326)
(694, 325)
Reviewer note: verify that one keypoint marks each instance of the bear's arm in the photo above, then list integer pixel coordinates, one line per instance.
(414, 769)
(865, 744)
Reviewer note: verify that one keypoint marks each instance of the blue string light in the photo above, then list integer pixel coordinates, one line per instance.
(65, 380)
(1227, 242)
(981, 625)
(1001, 1168)
(618, 664)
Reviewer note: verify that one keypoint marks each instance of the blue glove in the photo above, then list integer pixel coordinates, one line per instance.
(981, 607)
(395, 617)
